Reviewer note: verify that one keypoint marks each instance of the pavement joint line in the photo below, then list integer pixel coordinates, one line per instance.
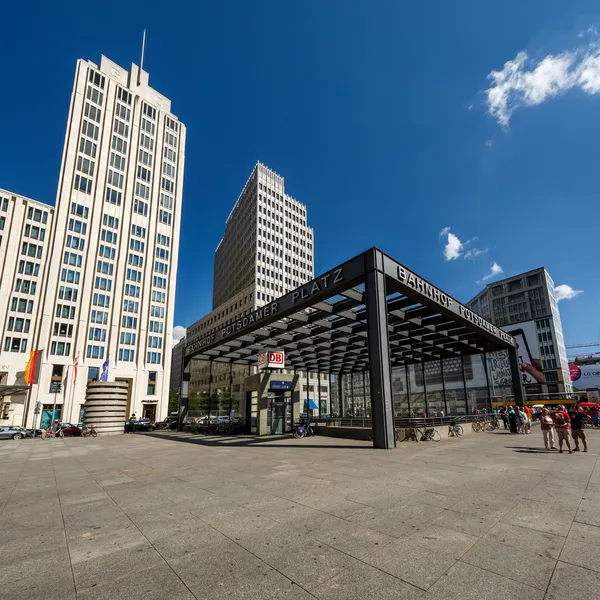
(144, 536)
(62, 516)
(570, 528)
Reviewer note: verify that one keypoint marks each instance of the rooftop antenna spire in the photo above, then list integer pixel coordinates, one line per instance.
(142, 59)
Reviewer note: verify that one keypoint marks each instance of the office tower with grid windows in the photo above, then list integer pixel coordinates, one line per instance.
(25, 227)
(110, 290)
(267, 250)
(267, 246)
(525, 305)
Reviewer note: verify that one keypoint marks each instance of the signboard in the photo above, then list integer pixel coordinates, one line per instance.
(271, 360)
(585, 377)
(422, 291)
(280, 385)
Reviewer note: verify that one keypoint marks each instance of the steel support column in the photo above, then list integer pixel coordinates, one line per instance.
(444, 388)
(307, 401)
(210, 382)
(352, 393)
(517, 380)
(380, 372)
(184, 391)
(341, 396)
(424, 389)
(487, 383)
(364, 394)
(230, 388)
(407, 389)
(318, 401)
(462, 370)
(330, 395)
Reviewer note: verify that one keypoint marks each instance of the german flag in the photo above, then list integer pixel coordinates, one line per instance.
(31, 369)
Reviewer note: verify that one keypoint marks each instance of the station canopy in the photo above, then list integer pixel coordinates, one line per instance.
(323, 325)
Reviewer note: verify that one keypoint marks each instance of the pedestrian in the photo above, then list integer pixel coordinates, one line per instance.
(521, 416)
(513, 420)
(504, 417)
(547, 425)
(525, 419)
(562, 424)
(578, 418)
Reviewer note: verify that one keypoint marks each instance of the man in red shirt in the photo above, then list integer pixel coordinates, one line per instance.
(562, 424)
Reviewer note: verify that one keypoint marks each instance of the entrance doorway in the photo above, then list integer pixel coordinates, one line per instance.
(149, 411)
(280, 402)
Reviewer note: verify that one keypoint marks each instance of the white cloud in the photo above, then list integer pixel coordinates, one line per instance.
(474, 252)
(454, 246)
(178, 333)
(496, 269)
(489, 143)
(527, 82)
(566, 292)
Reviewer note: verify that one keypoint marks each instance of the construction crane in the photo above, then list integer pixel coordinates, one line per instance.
(590, 345)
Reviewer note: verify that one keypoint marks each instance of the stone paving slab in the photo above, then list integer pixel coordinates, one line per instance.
(147, 516)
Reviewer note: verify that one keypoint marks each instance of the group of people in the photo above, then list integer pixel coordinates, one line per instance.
(517, 418)
(560, 425)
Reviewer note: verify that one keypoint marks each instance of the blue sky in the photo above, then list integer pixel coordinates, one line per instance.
(376, 113)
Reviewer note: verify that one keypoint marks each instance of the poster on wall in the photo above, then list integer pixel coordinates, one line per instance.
(528, 351)
(498, 370)
(585, 377)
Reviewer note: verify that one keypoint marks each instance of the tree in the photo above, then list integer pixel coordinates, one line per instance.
(173, 400)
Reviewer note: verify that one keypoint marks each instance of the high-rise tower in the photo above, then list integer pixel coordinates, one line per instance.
(114, 249)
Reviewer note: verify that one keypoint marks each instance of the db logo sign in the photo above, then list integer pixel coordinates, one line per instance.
(271, 360)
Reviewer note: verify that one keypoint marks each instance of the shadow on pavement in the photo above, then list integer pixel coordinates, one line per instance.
(248, 442)
(532, 450)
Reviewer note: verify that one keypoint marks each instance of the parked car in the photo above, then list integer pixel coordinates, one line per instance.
(70, 430)
(12, 432)
(169, 423)
(144, 424)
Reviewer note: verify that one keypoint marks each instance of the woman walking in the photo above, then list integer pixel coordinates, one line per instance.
(547, 425)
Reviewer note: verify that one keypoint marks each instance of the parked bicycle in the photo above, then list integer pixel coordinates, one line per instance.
(428, 434)
(47, 433)
(455, 430)
(303, 429)
(88, 430)
(492, 424)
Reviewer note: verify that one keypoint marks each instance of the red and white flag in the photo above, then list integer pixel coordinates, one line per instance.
(75, 367)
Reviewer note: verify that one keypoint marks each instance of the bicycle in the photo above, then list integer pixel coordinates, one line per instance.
(492, 424)
(477, 426)
(455, 430)
(396, 435)
(88, 430)
(46, 434)
(303, 430)
(426, 435)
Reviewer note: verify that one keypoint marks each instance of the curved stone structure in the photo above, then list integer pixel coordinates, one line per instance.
(106, 406)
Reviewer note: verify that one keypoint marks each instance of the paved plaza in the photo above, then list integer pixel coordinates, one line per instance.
(175, 516)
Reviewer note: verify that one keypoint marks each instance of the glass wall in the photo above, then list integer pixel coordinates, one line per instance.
(418, 407)
(400, 392)
(334, 390)
(455, 387)
(477, 389)
(434, 388)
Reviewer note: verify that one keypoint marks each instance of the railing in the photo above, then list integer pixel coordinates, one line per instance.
(403, 422)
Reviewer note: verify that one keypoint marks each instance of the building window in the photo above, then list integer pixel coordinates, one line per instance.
(56, 379)
(151, 383)
(93, 373)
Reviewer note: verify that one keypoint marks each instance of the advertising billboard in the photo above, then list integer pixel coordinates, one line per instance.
(528, 351)
(585, 377)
